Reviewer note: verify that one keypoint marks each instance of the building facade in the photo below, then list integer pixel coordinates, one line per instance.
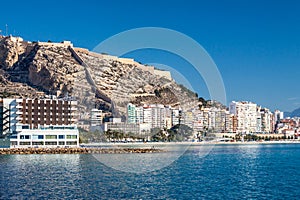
(40, 122)
(245, 113)
(96, 120)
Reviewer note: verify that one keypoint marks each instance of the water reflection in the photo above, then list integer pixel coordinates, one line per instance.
(145, 162)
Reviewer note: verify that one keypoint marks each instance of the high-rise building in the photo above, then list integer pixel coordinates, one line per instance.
(229, 118)
(258, 120)
(131, 113)
(267, 121)
(175, 116)
(96, 119)
(139, 112)
(147, 113)
(278, 115)
(188, 118)
(158, 115)
(245, 113)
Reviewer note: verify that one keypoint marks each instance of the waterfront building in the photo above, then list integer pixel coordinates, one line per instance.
(278, 115)
(131, 113)
(176, 115)
(258, 120)
(198, 120)
(229, 118)
(267, 121)
(188, 118)
(40, 122)
(245, 113)
(206, 120)
(217, 119)
(158, 115)
(128, 128)
(139, 112)
(147, 114)
(96, 120)
(168, 117)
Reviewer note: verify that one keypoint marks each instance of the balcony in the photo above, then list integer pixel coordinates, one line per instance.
(19, 112)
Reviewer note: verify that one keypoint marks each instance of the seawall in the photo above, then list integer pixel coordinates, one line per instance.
(77, 150)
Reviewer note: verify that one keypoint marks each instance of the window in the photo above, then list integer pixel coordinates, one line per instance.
(61, 143)
(71, 143)
(50, 143)
(40, 137)
(27, 137)
(37, 143)
(49, 137)
(25, 127)
(14, 143)
(71, 136)
(24, 143)
(61, 137)
(34, 137)
(22, 137)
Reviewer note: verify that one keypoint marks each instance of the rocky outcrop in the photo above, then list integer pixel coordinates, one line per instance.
(11, 49)
(34, 68)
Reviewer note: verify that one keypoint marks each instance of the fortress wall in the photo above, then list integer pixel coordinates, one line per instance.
(63, 44)
(166, 74)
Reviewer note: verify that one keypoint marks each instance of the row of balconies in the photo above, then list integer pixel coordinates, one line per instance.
(50, 120)
(47, 114)
(46, 107)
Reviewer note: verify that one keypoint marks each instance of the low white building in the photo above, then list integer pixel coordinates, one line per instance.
(50, 136)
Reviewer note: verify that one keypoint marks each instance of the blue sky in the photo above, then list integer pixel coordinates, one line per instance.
(255, 44)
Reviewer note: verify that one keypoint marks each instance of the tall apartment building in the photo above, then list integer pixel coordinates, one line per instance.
(131, 113)
(96, 119)
(139, 112)
(258, 120)
(267, 121)
(278, 115)
(188, 118)
(158, 116)
(245, 113)
(39, 122)
(176, 116)
(229, 122)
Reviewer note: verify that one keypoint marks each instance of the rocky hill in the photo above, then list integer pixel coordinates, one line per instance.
(33, 69)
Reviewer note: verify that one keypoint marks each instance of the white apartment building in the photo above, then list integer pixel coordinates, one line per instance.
(278, 115)
(96, 119)
(246, 116)
(267, 121)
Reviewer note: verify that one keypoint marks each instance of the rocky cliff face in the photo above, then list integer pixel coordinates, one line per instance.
(31, 69)
(11, 48)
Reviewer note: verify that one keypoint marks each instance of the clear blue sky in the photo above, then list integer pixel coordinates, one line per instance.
(255, 44)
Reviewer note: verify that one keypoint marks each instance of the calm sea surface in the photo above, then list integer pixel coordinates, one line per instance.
(227, 172)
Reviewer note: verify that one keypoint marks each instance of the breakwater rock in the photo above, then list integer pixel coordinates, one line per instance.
(77, 150)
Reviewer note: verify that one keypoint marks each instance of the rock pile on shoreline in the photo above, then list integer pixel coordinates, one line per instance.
(77, 150)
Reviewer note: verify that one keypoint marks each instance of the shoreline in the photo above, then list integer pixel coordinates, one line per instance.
(76, 150)
(123, 148)
(107, 144)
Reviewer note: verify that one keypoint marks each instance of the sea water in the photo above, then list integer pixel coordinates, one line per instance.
(227, 172)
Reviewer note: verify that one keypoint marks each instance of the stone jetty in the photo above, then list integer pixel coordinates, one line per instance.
(77, 150)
